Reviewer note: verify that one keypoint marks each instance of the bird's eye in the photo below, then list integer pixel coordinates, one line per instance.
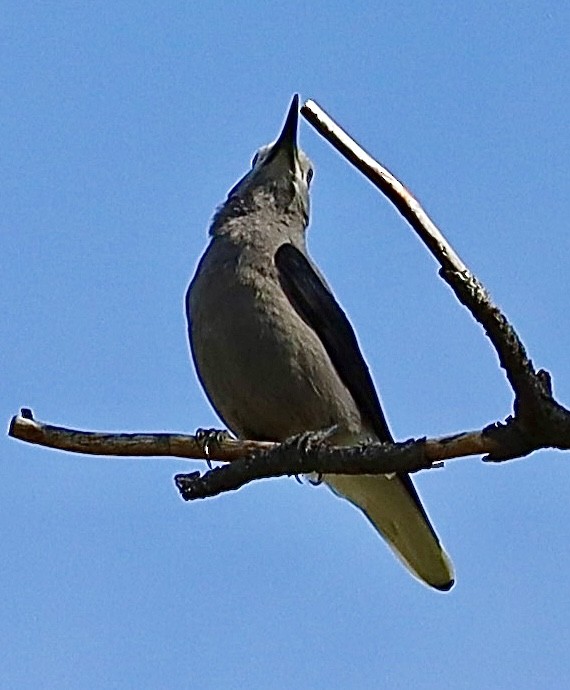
(309, 175)
(254, 160)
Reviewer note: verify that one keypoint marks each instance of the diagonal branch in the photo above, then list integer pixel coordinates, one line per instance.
(527, 385)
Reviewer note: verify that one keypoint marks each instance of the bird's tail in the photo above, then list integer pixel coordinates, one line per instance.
(392, 505)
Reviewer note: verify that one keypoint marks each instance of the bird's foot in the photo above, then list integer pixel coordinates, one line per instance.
(208, 439)
(312, 440)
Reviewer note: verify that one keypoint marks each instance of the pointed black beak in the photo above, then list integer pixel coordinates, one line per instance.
(287, 140)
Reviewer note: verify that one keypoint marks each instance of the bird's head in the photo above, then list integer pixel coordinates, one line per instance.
(281, 170)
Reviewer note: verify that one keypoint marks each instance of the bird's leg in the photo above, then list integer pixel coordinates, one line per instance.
(208, 438)
(309, 440)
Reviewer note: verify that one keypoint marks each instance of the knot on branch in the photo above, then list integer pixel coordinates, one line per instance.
(541, 422)
(512, 438)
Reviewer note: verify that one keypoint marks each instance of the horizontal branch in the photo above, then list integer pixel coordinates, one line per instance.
(251, 460)
(25, 428)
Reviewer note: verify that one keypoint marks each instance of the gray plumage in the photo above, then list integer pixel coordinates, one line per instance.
(276, 354)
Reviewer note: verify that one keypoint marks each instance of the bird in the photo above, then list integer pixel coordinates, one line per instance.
(276, 354)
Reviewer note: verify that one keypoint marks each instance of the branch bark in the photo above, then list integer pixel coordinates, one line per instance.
(25, 428)
(467, 288)
(534, 405)
(253, 460)
(538, 421)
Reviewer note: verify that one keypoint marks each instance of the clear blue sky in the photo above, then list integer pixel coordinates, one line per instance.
(123, 127)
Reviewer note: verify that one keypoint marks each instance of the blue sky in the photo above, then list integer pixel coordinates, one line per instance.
(123, 127)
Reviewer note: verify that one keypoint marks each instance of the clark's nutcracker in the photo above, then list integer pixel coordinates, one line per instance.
(276, 354)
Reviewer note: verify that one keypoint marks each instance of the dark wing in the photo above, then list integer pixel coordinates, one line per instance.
(316, 305)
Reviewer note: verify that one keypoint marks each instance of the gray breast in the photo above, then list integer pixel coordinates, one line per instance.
(264, 370)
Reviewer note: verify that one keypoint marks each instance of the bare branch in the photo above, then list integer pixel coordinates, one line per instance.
(526, 383)
(301, 455)
(538, 422)
(251, 460)
(25, 428)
